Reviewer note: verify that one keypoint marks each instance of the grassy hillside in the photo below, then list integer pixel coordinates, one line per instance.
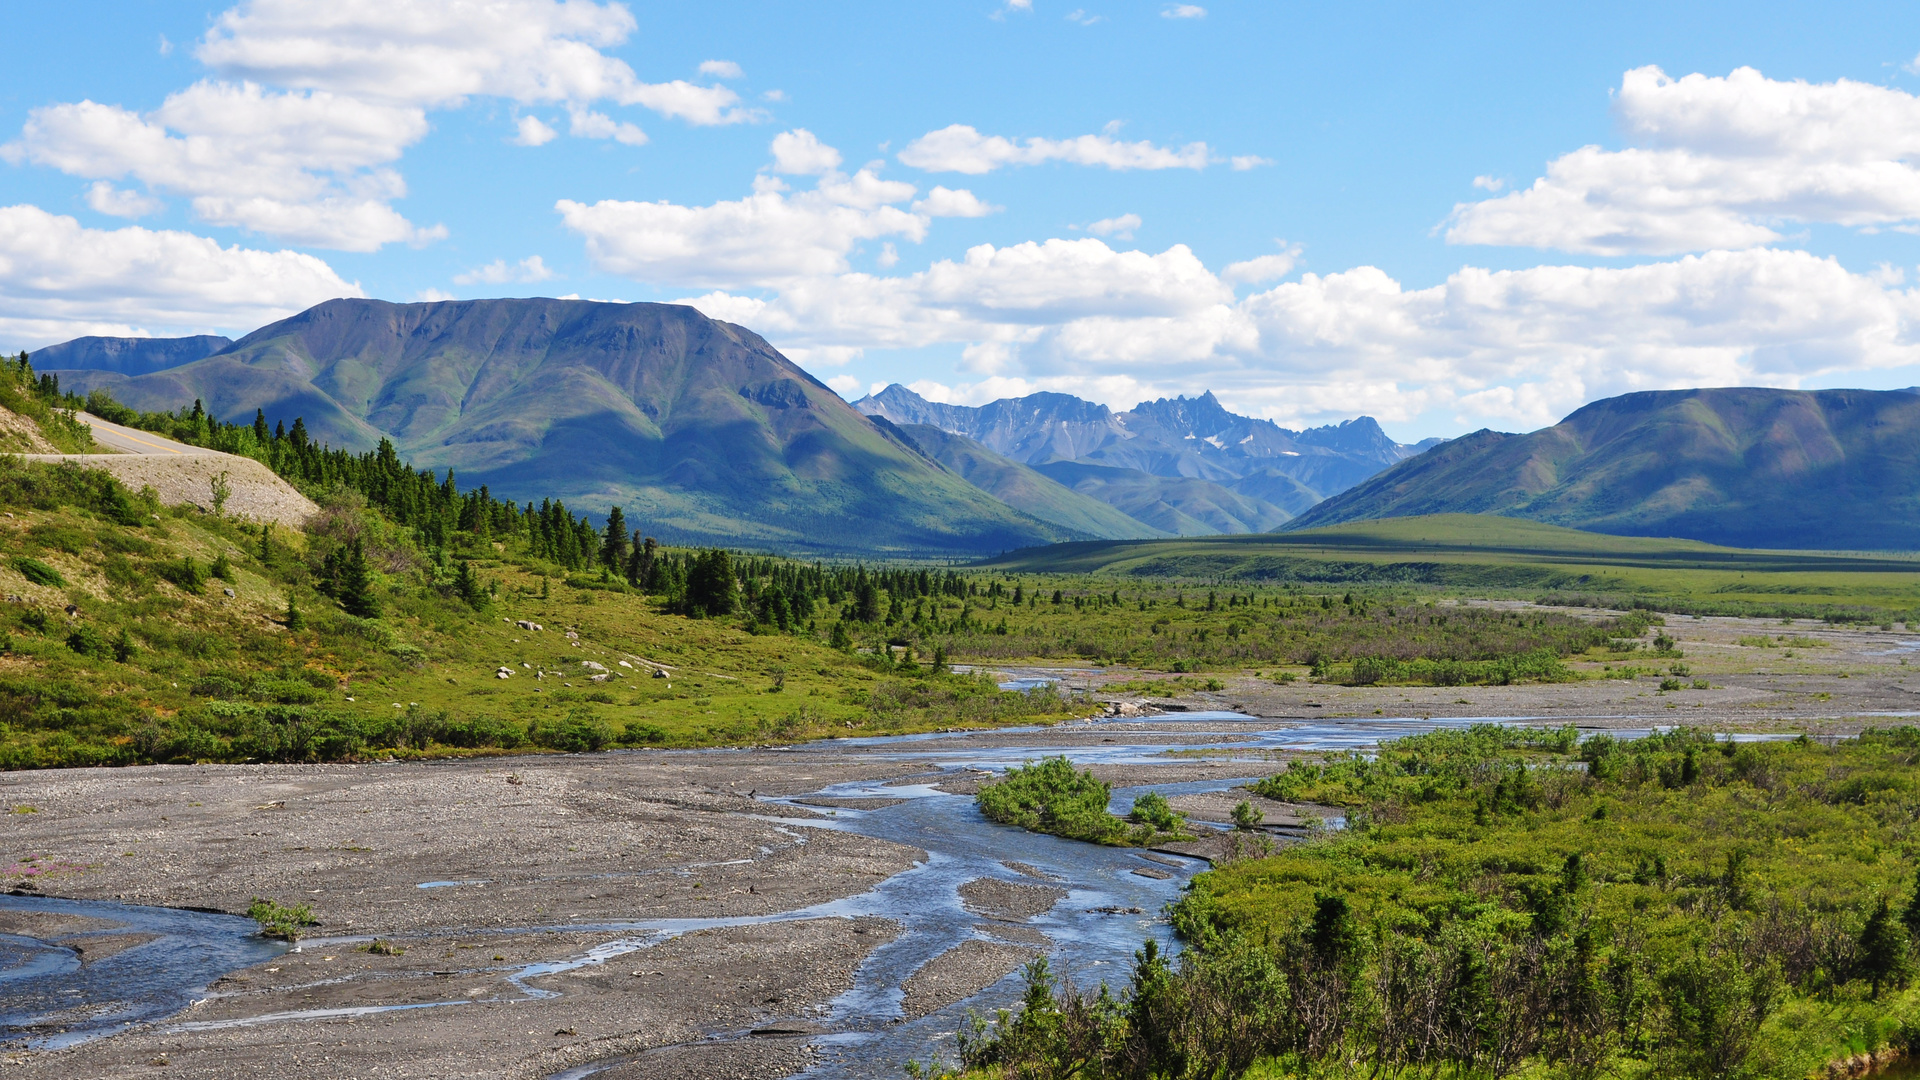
(697, 428)
(1023, 488)
(141, 634)
(1180, 505)
(1741, 466)
(1514, 557)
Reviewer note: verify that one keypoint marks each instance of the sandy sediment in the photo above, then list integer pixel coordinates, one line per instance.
(1011, 900)
(961, 972)
(477, 1024)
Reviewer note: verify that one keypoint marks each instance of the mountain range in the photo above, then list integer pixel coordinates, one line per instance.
(704, 433)
(1179, 466)
(1743, 466)
(698, 429)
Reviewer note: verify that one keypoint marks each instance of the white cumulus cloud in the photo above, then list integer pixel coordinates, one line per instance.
(1120, 228)
(311, 106)
(1183, 11)
(721, 69)
(588, 124)
(1511, 348)
(104, 198)
(767, 237)
(961, 148)
(59, 280)
(1717, 162)
(799, 152)
(308, 166)
(953, 202)
(499, 271)
(438, 53)
(533, 131)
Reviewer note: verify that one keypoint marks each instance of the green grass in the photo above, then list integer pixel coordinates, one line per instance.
(1490, 555)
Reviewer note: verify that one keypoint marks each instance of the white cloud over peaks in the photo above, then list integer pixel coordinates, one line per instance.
(1718, 163)
(1512, 349)
(303, 166)
(799, 152)
(59, 280)
(766, 238)
(499, 272)
(962, 149)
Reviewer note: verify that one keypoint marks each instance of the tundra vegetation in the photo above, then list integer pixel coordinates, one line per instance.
(1520, 903)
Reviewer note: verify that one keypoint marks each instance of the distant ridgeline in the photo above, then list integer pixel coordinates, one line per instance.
(1172, 467)
(698, 426)
(1741, 466)
(713, 437)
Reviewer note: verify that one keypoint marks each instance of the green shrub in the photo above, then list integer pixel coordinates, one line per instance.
(87, 641)
(38, 572)
(280, 921)
(1048, 796)
(573, 735)
(1152, 809)
(186, 575)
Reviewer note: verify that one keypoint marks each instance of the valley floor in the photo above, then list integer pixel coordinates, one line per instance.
(549, 880)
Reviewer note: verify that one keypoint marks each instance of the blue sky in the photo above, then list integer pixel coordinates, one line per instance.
(1314, 210)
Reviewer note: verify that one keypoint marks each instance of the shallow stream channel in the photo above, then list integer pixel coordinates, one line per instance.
(1089, 908)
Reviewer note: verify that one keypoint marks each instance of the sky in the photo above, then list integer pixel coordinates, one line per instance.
(1447, 217)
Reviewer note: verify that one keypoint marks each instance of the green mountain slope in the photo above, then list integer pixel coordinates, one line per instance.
(1177, 505)
(1023, 488)
(1743, 466)
(699, 429)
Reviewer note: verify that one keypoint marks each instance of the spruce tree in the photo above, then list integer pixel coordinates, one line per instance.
(1883, 949)
(467, 587)
(354, 587)
(613, 547)
(710, 584)
(1911, 916)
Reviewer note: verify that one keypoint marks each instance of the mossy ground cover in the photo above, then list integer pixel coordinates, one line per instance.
(1515, 903)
